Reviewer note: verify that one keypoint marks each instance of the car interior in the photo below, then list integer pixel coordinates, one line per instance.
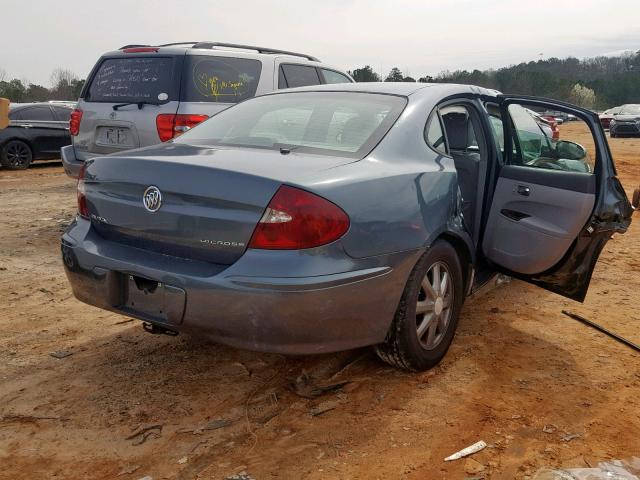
(470, 157)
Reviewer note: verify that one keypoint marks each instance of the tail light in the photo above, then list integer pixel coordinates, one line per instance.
(83, 209)
(171, 125)
(74, 122)
(296, 219)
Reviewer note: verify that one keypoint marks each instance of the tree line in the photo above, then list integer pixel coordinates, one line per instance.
(65, 85)
(597, 83)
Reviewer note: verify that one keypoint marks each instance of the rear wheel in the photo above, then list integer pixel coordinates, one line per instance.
(16, 155)
(427, 316)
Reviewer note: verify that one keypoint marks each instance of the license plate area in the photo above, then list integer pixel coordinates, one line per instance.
(115, 137)
(152, 300)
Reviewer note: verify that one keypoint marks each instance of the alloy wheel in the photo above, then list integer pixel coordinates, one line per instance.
(17, 154)
(434, 306)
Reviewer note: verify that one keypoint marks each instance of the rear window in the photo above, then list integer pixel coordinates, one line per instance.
(220, 79)
(327, 123)
(133, 79)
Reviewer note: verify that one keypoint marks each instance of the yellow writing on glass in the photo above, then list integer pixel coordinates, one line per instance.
(214, 86)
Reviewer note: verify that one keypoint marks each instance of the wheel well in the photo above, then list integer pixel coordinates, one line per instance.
(465, 256)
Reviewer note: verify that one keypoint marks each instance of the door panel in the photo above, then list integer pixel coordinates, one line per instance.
(555, 203)
(532, 224)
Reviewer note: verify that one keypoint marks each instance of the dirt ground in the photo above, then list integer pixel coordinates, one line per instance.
(541, 389)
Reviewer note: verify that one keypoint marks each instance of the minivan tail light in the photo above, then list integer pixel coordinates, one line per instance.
(296, 219)
(170, 125)
(74, 121)
(83, 209)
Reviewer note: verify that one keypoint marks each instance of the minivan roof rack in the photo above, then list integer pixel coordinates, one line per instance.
(212, 45)
(251, 47)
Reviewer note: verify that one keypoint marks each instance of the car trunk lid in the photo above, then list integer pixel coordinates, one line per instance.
(211, 198)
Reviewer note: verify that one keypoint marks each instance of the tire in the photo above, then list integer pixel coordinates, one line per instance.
(612, 135)
(16, 155)
(404, 347)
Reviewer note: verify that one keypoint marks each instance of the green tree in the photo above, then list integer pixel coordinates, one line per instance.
(14, 90)
(365, 74)
(36, 93)
(409, 79)
(395, 75)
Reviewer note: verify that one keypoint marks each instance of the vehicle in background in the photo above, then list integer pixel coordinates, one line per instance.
(333, 217)
(547, 123)
(607, 116)
(559, 117)
(141, 95)
(626, 121)
(36, 131)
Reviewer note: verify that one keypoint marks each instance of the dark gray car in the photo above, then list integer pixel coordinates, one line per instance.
(625, 122)
(333, 217)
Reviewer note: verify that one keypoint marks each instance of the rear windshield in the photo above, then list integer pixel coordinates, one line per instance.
(328, 123)
(133, 79)
(219, 79)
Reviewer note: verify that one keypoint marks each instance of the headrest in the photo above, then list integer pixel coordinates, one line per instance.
(457, 126)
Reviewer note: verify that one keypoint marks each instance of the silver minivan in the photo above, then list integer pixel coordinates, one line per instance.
(142, 95)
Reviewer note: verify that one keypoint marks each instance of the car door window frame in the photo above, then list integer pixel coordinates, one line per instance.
(323, 78)
(435, 114)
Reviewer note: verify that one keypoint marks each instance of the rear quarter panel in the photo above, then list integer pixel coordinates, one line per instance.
(402, 196)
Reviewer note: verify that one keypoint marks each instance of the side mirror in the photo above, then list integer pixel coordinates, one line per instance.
(635, 203)
(570, 150)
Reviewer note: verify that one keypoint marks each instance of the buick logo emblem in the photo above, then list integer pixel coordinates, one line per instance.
(152, 199)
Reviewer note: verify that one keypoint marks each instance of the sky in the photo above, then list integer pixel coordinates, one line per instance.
(421, 37)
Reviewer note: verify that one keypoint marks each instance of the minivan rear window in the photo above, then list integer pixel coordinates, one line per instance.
(132, 79)
(219, 79)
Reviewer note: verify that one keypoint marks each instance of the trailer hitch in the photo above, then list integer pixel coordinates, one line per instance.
(154, 329)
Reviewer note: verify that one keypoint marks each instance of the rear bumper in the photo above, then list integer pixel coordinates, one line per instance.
(69, 161)
(294, 302)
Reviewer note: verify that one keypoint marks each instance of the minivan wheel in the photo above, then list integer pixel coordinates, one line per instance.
(16, 155)
(427, 315)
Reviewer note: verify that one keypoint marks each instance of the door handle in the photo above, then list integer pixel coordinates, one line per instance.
(523, 190)
(27, 125)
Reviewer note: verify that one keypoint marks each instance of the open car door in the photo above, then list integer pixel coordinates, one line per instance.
(555, 203)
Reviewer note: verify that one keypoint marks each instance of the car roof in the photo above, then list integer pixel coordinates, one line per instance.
(216, 48)
(393, 88)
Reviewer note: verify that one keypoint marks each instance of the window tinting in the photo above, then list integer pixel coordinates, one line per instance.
(328, 123)
(300, 75)
(220, 79)
(43, 114)
(133, 79)
(63, 114)
(331, 76)
(434, 134)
